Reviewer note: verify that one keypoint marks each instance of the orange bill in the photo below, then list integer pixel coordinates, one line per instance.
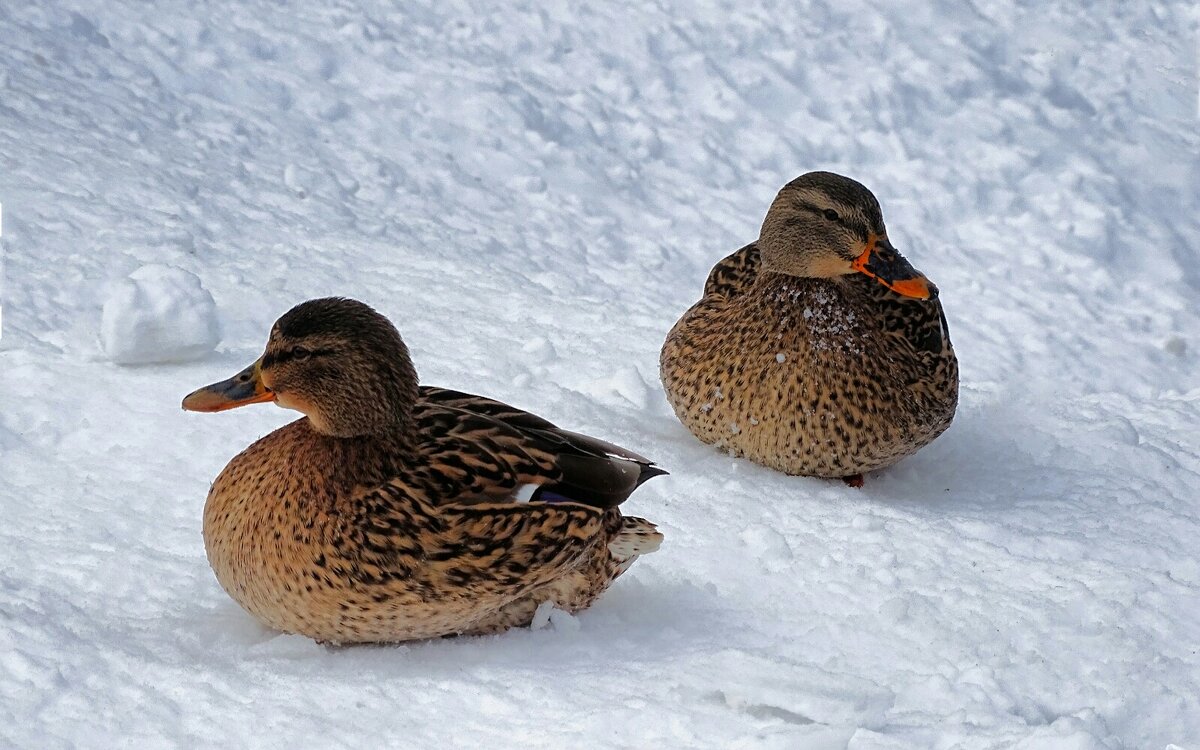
(883, 263)
(244, 388)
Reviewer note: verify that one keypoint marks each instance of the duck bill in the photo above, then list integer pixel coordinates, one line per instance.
(883, 263)
(244, 388)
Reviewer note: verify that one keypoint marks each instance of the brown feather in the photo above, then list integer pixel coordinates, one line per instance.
(412, 530)
(825, 377)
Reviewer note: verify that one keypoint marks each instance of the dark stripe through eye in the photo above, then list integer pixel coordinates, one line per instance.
(298, 352)
(828, 213)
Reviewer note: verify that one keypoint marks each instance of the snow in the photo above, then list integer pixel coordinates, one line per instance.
(158, 314)
(534, 193)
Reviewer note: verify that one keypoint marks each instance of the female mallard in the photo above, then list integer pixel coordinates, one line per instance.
(817, 350)
(393, 511)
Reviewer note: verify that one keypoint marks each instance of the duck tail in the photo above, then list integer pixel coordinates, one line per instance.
(650, 471)
(637, 536)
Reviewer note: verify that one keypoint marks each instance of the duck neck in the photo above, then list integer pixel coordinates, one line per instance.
(379, 404)
(385, 425)
(365, 459)
(773, 282)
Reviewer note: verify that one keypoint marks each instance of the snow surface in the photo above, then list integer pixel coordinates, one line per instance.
(159, 314)
(534, 193)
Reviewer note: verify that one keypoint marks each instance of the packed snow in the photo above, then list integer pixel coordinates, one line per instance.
(158, 314)
(534, 192)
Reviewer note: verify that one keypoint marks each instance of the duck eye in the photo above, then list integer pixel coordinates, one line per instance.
(832, 215)
(301, 353)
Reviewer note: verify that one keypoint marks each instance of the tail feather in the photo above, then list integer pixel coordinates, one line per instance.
(650, 471)
(591, 471)
(636, 537)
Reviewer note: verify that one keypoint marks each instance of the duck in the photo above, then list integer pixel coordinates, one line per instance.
(393, 511)
(817, 350)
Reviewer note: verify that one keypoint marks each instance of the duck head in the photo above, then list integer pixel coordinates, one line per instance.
(337, 361)
(823, 225)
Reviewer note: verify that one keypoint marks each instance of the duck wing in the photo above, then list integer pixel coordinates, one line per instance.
(462, 559)
(921, 323)
(733, 274)
(479, 447)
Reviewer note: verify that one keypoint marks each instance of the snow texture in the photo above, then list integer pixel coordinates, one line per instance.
(534, 192)
(158, 314)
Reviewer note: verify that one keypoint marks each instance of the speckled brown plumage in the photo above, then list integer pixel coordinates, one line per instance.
(824, 376)
(417, 530)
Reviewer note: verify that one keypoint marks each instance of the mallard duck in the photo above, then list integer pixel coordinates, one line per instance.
(817, 350)
(392, 511)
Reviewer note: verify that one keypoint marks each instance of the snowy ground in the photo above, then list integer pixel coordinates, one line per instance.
(534, 194)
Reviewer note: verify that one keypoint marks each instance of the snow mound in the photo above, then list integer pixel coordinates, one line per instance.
(158, 314)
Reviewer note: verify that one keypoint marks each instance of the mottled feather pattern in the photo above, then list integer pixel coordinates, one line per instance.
(361, 541)
(823, 377)
(734, 273)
